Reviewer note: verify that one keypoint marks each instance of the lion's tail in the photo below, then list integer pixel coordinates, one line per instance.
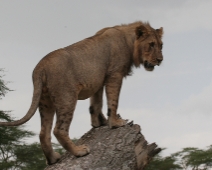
(37, 81)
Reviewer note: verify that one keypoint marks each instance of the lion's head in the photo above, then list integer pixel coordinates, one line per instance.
(148, 47)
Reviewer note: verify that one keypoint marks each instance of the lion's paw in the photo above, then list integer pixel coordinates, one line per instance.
(95, 123)
(117, 123)
(54, 158)
(81, 150)
(98, 121)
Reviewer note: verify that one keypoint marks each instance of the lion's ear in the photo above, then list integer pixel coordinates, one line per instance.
(160, 31)
(140, 31)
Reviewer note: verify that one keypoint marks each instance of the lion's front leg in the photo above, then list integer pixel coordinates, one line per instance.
(113, 87)
(97, 117)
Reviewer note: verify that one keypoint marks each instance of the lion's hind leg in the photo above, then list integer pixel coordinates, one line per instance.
(47, 111)
(65, 106)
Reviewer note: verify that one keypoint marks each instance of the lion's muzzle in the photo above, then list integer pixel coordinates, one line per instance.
(148, 65)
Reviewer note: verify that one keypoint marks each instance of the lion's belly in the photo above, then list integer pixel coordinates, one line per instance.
(84, 94)
(90, 84)
(88, 90)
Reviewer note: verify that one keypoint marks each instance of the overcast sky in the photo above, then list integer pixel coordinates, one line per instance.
(172, 104)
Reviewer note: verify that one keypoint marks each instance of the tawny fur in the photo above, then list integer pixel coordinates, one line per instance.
(81, 71)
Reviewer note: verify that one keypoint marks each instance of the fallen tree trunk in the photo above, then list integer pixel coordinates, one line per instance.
(124, 148)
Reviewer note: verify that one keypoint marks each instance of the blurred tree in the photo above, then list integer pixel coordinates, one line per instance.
(194, 158)
(14, 152)
(163, 163)
(187, 159)
(3, 88)
(30, 157)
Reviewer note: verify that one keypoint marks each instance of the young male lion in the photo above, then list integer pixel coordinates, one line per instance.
(82, 70)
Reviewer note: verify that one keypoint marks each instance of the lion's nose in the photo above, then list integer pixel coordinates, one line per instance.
(159, 59)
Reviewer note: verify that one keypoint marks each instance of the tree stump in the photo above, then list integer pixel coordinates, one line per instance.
(124, 148)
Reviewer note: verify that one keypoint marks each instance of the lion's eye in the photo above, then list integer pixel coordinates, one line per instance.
(152, 44)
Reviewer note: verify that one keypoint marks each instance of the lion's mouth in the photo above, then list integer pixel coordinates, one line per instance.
(148, 66)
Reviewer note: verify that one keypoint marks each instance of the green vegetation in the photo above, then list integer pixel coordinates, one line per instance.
(163, 163)
(15, 154)
(188, 158)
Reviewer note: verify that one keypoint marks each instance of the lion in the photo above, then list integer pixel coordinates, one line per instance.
(82, 70)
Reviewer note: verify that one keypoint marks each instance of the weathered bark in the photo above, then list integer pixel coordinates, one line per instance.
(124, 148)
